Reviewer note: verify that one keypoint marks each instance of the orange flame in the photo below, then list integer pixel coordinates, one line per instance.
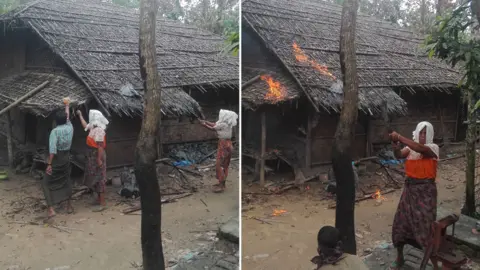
(303, 58)
(277, 212)
(276, 91)
(378, 196)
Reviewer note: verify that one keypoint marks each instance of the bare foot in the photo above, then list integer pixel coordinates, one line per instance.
(219, 188)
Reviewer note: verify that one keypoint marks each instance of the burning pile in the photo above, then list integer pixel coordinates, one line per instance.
(276, 91)
(303, 58)
(378, 196)
(278, 212)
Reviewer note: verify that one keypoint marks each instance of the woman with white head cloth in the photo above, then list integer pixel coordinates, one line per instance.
(224, 126)
(95, 167)
(417, 208)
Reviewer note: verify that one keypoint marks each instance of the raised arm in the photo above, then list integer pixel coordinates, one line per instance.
(80, 116)
(66, 101)
(399, 152)
(208, 125)
(417, 147)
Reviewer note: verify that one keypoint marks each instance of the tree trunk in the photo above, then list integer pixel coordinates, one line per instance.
(345, 133)
(469, 207)
(440, 7)
(423, 14)
(145, 152)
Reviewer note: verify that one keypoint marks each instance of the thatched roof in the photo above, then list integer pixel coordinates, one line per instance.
(388, 57)
(99, 41)
(49, 98)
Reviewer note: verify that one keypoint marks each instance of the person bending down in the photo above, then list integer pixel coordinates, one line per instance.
(330, 254)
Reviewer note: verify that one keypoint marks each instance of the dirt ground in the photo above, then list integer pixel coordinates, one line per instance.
(107, 240)
(288, 241)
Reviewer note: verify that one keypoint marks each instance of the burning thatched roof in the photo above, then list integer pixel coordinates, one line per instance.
(99, 41)
(388, 57)
(49, 98)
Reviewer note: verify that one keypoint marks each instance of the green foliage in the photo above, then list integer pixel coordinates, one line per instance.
(233, 44)
(7, 5)
(451, 42)
(127, 3)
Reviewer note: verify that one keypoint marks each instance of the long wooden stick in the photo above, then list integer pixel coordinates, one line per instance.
(24, 97)
(263, 149)
(334, 205)
(251, 81)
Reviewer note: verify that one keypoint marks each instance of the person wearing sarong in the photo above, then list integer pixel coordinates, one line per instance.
(224, 126)
(330, 253)
(417, 209)
(57, 185)
(96, 164)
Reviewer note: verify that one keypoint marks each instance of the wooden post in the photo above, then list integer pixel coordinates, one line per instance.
(9, 140)
(386, 120)
(263, 149)
(369, 147)
(159, 141)
(308, 145)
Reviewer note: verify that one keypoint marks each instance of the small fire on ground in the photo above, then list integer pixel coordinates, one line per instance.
(276, 91)
(378, 196)
(278, 212)
(303, 58)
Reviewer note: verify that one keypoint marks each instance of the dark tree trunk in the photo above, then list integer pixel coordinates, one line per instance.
(469, 206)
(145, 153)
(345, 133)
(423, 14)
(441, 5)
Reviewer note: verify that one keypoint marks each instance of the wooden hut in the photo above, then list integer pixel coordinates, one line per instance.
(88, 50)
(295, 44)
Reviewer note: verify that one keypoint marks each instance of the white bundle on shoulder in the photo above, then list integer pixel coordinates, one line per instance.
(227, 117)
(96, 118)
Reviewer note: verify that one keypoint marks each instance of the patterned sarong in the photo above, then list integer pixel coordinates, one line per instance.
(416, 212)
(224, 154)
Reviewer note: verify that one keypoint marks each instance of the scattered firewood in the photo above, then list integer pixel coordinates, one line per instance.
(213, 165)
(366, 197)
(204, 203)
(60, 228)
(207, 156)
(293, 184)
(79, 193)
(258, 193)
(261, 220)
(167, 200)
(190, 171)
(366, 159)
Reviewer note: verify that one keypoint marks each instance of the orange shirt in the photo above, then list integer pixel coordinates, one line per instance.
(92, 143)
(425, 168)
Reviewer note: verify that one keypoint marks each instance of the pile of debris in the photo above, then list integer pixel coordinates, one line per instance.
(193, 153)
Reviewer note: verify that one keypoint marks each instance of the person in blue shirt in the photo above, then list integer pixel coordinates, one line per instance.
(57, 186)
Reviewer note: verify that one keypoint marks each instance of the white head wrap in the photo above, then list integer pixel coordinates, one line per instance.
(429, 132)
(428, 139)
(227, 117)
(96, 118)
